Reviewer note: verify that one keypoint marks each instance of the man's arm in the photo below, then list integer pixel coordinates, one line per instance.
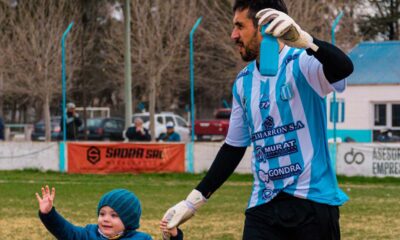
(129, 133)
(78, 121)
(223, 166)
(146, 136)
(335, 63)
(226, 161)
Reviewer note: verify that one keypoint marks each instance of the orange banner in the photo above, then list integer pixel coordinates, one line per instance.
(96, 157)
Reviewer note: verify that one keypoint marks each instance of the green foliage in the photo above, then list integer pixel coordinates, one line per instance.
(382, 20)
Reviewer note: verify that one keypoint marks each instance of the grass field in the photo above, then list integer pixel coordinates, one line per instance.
(373, 211)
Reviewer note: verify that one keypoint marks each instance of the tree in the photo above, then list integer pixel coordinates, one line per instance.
(34, 51)
(159, 33)
(380, 20)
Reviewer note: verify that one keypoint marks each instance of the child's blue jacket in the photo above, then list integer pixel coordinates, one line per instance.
(64, 230)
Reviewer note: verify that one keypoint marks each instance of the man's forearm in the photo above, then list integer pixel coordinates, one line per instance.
(225, 163)
(336, 64)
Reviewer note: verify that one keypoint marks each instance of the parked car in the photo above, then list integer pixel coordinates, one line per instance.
(213, 127)
(103, 129)
(181, 126)
(38, 133)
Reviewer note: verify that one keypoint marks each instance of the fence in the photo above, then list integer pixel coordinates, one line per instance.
(352, 159)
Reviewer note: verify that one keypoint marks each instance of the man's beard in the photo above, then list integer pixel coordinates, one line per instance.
(252, 49)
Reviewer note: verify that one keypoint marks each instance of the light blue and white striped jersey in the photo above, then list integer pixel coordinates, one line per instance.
(284, 117)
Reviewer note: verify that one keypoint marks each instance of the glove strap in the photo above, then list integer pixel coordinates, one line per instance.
(190, 206)
(195, 199)
(313, 47)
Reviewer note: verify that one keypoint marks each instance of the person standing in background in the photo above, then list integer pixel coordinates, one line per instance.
(73, 122)
(138, 132)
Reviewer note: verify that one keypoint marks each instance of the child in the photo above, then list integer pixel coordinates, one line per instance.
(118, 218)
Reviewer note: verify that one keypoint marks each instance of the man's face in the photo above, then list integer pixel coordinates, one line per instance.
(247, 38)
(71, 110)
(109, 222)
(138, 123)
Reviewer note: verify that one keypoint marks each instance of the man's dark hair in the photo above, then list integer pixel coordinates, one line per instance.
(256, 5)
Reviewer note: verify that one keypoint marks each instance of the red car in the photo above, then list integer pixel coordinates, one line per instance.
(212, 127)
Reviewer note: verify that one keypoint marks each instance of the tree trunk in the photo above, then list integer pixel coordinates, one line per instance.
(152, 105)
(46, 113)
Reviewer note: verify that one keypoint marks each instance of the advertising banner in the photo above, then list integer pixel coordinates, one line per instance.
(374, 159)
(97, 157)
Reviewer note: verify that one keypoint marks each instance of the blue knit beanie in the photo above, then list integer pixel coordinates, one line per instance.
(125, 204)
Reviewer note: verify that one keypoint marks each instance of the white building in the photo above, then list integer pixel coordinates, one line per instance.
(372, 97)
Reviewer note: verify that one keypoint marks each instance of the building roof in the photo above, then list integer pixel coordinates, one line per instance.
(375, 63)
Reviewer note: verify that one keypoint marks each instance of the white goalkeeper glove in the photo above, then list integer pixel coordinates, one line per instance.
(285, 29)
(185, 209)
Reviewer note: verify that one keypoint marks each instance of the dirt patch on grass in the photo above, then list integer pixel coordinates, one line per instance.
(23, 228)
(370, 227)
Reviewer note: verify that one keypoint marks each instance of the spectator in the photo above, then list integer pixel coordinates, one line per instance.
(138, 132)
(73, 122)
(1, 129)
(170, 135)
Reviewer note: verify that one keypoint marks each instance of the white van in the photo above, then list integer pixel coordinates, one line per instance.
(181, 126)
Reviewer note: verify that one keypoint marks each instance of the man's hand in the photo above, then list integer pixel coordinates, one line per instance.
(285, 29)
(46, 202)
(184, 210)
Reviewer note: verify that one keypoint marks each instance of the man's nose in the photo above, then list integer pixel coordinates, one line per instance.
(235, 34)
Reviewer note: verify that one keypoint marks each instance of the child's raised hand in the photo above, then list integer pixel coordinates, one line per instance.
(169, 232)
(46, 201)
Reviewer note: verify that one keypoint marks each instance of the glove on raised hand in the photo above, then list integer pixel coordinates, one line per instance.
(285, 29)
(185, 209)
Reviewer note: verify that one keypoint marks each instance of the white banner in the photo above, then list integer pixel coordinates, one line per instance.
(29, 155)
(373, 159)
(205, 153)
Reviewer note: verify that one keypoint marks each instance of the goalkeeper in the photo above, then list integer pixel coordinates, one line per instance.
(295, 192)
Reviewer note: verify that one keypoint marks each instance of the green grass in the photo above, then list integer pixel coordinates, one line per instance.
(373, 211)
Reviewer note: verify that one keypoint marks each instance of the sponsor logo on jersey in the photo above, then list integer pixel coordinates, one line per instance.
(280, 172)
(291, 57)
(270, 131)
(268, 123)
(264, 104)
(275, 150)
(268, 194)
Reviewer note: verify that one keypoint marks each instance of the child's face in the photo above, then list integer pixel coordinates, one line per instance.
(109, 222)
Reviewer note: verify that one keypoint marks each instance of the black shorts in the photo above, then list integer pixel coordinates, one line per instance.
(288, 217)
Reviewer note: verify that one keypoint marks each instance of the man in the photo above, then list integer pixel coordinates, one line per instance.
(170, 135)
(73, 122)
(1, 129)
(138, 132)
(295, 193)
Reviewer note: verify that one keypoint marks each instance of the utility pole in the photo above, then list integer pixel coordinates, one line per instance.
(127, 67)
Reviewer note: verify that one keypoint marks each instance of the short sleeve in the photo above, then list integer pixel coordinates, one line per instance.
(238, 132)
(313, 71)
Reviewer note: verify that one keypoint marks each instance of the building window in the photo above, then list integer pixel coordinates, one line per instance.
(386, 119)
(396, 115)
(380, 114)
